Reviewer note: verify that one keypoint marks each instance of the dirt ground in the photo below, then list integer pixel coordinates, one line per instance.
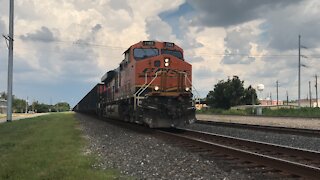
(18, 116)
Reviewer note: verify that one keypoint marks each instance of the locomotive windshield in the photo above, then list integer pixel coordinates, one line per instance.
(175, 53)
(140, 53)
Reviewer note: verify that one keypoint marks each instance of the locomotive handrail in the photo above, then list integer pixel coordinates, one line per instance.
(156, 75)
(142, 89)
(145, 82)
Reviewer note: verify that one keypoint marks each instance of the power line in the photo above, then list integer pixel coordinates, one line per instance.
(217, 54)
(76, 42)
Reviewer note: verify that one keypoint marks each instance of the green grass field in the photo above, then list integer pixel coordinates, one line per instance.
(47, 147)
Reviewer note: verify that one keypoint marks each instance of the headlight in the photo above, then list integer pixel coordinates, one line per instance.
(187, 89)
(156, 88)
(166, 62)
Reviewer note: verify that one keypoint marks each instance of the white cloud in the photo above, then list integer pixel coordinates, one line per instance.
(65, 41)
(265, 41)
(159, 30)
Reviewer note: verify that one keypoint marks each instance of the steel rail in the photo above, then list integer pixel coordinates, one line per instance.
(275, 129)
(205, 140)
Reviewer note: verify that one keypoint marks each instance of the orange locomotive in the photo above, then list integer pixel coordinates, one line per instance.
(151, 86)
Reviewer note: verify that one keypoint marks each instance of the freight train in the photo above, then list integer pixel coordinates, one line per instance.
(152, 85)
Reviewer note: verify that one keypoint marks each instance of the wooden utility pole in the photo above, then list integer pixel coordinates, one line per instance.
(299, 67)
(287, 98)
(277, 82)
(310, 96)
(316, 76)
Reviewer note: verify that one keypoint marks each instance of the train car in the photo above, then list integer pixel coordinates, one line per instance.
(89, 102)
(151, 86)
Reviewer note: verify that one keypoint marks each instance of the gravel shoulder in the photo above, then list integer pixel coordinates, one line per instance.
(143, 156)
(307, 123)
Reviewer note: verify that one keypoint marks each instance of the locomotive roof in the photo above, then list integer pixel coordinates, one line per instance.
(108, 76)
(157, 44)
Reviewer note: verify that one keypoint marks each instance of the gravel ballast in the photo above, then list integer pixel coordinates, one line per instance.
(143, 156)
(304, 142)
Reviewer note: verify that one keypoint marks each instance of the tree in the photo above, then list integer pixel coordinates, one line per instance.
(3, 95)
(250, 96)
(18, 105)
(62, 106)
(40, 107)
(230, 93)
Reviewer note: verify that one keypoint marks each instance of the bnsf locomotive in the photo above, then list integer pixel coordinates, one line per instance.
(151, 86)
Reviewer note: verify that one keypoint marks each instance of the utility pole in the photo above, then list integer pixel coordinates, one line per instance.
(299, 66)
(287, 98)
(10, 63)
(310, 97)
(277, 82)
(299, 70)
(316, 76)
(27, 105)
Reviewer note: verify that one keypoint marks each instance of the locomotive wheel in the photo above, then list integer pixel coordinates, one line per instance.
(127, 118)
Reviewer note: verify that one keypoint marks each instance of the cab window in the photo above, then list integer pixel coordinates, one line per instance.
(175, 53)
(142, 53)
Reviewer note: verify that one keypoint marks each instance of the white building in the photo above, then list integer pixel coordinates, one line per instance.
(3, 106)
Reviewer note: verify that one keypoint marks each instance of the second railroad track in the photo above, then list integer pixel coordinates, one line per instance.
(283, 160)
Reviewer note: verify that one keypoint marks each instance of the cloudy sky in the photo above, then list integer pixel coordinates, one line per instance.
(63, 47)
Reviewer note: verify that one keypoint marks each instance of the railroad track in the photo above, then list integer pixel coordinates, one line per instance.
(274, 129)
(282, 160)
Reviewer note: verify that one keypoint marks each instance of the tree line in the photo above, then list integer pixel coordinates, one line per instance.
(231, 93)
(19, 105)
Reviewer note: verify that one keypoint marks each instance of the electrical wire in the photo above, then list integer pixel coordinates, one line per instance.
(215, 54)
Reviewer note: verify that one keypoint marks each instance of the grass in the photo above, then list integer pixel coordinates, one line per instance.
(225, 112)
(47, 147)
(302, 112)
(281, 112)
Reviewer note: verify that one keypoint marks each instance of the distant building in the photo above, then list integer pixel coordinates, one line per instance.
(266, 102)
(3, 106)
(306, 103)
(201, 104)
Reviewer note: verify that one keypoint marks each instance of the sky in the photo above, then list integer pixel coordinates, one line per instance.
(63, 47)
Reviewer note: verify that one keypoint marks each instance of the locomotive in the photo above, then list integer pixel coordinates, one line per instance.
(151, 86)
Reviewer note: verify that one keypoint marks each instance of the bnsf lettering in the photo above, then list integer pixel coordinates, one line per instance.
(151, 72)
